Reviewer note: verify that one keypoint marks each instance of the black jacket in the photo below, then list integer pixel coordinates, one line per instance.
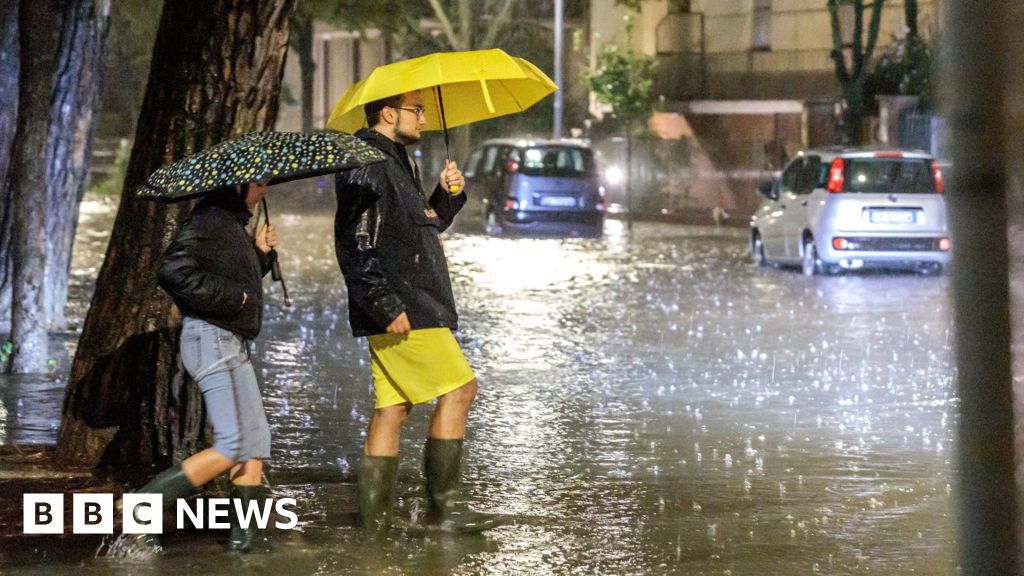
(387, 238)
(212, 261)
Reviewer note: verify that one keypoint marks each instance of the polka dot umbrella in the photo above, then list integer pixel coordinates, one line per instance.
(272, 157)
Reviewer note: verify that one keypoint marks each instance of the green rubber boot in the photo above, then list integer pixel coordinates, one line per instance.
(251, 538)
(377, 479)
(171, 484)
(441, 462)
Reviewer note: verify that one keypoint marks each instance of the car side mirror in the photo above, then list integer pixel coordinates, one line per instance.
(769, 190)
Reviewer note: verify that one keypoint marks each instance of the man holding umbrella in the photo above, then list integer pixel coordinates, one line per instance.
(400, 296)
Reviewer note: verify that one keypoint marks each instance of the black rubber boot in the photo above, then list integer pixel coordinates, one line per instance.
(171, 484)
(441, 462)
(251, 538)
(377, 479)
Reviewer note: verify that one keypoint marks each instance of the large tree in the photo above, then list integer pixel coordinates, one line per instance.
(77, 87)
(852, 75)
(61, 44)
(216, 72)
(9, 69)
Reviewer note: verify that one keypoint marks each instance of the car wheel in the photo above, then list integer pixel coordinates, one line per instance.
(493, 225)
(810, 265)
(757, 255)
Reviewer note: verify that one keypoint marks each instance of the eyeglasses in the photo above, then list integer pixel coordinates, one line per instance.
(419, 110)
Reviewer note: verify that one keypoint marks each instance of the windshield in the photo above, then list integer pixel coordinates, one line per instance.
(559, 161)
(889, 176)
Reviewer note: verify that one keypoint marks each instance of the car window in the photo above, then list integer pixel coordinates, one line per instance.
(888, 176)
(809, 175)
(472, 163)
(790, 176)
(559, 161)
(489, 155)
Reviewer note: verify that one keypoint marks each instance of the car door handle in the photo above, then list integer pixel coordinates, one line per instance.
(804, 203)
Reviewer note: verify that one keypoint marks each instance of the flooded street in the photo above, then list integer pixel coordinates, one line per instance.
(649, 404)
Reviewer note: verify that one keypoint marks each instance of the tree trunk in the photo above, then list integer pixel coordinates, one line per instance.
(77, 86)
(216, 72)
(9, 69)
(910, 18)
(40, 25)
(854, 115)
(302, 29)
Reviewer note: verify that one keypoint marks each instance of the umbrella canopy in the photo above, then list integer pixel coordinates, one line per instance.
(477, 85)
(272, 157)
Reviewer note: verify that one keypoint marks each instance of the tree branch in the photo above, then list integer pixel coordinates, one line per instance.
(499, 24)
(837, 42)
(446, 24)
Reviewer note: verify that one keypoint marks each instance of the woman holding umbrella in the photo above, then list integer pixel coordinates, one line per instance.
(213, 270)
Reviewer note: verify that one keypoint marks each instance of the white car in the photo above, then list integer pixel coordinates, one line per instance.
(839, 209)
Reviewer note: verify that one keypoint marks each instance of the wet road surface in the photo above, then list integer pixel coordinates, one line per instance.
(649, 404)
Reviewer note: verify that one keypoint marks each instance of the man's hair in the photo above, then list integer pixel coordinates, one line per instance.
(372, 109)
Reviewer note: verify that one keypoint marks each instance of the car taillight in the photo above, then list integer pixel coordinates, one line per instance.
(945, 244)
(512, 203)
(840, 243)
(888, 154)
(512, 166)
(835, 177)
(940, 186)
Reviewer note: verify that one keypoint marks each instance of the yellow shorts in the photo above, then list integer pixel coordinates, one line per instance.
(416, 367)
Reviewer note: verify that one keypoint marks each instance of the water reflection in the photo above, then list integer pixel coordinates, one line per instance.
(649, 404)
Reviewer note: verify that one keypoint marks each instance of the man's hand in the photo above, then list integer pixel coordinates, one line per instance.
(452, 179)
(266, 238)
(400, 325)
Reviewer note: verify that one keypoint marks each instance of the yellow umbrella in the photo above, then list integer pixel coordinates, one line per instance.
(478, 85)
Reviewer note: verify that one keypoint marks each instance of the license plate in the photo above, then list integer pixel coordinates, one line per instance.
(559, 201)
(892, 216)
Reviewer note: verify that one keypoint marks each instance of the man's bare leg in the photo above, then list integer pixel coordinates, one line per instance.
(386, 429)
(452, 411)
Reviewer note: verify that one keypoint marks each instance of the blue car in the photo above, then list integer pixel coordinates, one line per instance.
(537, 187)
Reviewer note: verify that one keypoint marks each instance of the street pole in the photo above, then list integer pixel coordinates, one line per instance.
(556, 131)
(977, 66)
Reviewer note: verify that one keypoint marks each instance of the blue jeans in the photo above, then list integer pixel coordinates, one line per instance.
(218, 361)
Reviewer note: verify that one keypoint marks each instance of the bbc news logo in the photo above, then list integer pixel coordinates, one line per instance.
(94, 513)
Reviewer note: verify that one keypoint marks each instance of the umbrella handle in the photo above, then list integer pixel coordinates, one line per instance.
(444, 126)
(275, 267)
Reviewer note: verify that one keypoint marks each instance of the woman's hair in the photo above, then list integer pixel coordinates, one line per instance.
(229, 197)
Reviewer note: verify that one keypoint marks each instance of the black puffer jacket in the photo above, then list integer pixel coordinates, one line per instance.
(387, 238)
(212, 262)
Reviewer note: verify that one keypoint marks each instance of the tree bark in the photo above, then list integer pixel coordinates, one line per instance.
(76, 88)
(302, 33)
(40, 25)
(216, 72)
(851, 78)
(9, 70)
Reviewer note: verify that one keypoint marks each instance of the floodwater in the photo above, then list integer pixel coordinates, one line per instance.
(650, 404)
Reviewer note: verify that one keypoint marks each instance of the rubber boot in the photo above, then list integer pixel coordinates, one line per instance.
(441, 462)
(172, 484)
(377, 479)
(251, 538)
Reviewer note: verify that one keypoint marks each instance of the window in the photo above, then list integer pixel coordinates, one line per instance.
(761, 28)
(888, 176)
(557, 161)
(472, 163)
(490, 153)
(809, 175)
(791, 176)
